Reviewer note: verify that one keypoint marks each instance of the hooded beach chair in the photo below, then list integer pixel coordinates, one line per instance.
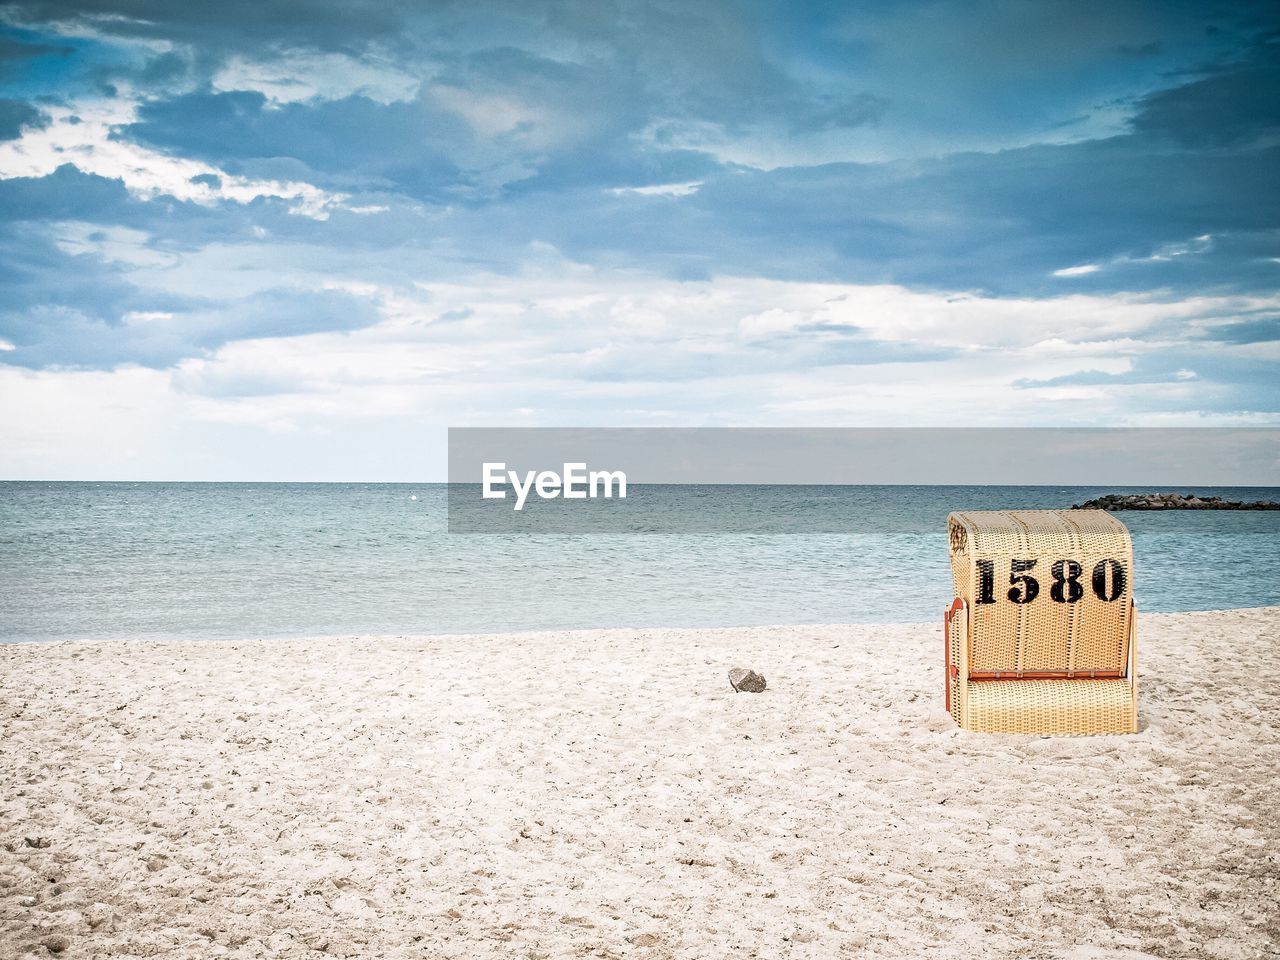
(1040, 637)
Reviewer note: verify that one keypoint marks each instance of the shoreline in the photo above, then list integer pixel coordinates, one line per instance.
(537, 632)
(606, 793)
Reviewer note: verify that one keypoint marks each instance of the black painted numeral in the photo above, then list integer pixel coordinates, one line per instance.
(1024, 588)
(986, 581)
(1066, 582)
(1110, 579)
(1119, 580)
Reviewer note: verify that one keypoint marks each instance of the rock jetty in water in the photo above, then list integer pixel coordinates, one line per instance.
(1170, 501)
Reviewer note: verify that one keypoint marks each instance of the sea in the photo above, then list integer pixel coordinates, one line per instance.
(195, 561)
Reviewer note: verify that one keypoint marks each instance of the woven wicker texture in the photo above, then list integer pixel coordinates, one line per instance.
(1049, 706)
(1047, 616)
(1043, 636)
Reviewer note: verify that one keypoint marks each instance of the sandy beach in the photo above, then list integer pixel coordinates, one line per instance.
(607, 794)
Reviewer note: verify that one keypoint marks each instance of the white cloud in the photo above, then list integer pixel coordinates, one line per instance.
(1170, 251)
(492, 114)
(111, 244)
(86, 424)
(771, 321)
(565, 344)
(298, 75)
(1162, 254)
(82, 135)
(661, 189)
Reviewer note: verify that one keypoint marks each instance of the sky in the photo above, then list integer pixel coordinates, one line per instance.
(297, 240)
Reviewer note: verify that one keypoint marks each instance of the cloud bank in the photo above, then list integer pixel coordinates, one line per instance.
(339, 222)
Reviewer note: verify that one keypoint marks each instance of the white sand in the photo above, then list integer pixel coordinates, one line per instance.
(606, 794)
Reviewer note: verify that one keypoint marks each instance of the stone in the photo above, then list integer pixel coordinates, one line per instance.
(746, 681)
(1170, 501)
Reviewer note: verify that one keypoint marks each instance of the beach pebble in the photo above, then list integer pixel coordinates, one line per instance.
(746, 681)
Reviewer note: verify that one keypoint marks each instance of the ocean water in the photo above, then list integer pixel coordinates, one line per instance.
(197, 560)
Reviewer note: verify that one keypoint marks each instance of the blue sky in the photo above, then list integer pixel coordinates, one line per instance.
(296, 240)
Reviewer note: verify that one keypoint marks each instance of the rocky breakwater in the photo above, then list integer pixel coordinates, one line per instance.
(1170, 501)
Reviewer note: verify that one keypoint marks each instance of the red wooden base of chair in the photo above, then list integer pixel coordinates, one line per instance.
(948, 671)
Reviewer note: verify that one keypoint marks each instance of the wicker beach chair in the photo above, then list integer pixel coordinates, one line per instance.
(1040, 637)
